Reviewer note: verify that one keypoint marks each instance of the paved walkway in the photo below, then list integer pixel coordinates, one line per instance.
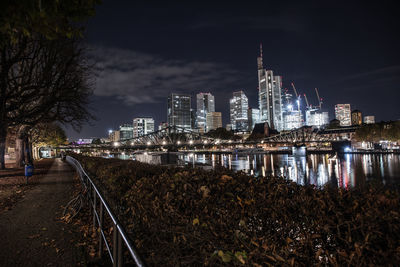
(32, 234)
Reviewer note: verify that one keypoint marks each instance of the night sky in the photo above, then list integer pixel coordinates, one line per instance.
(144, 51)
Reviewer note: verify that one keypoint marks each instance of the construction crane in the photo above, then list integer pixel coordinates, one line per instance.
(305, 97)
(319, 99)
(295, 91)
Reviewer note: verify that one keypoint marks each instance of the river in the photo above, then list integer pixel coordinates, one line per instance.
(346, 170)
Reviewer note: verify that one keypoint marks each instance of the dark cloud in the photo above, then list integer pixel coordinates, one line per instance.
(137, 78)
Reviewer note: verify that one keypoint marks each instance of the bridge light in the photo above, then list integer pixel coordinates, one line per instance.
(262, 141)
(205, 142)
(116, 144)
(164, 143)
(179, 142)
(217, 141)
(148, 143)
(132, 143)
(191, 142)
(230, 141)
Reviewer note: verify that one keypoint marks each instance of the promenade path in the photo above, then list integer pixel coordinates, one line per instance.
(32, 233)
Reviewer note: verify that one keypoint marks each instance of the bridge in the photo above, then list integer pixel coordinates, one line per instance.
(307, 134)
(174, 138)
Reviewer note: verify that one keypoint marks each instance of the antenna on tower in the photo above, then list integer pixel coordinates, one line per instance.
(260, 59)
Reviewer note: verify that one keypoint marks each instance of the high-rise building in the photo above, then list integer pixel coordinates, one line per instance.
(204, 104)
(213, 120)
(356, 117)
(269, 96)
(178, 112)
(369, 119)
(142, 126)
(125, 131)
(343, 114)
(253, 117)
(238, 111)
(316, 117)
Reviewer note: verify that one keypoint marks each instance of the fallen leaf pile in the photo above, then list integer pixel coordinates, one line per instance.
(191, 217)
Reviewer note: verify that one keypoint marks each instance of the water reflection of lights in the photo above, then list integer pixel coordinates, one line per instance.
(344, 171)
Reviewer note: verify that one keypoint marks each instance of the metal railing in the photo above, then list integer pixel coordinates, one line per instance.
(97, 201)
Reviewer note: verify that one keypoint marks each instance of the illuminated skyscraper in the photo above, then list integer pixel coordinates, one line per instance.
(253, 117)
(269, 96)
(205, 104)
(343, 114)
(178, 112)
(214, 120)
(238, 111)
(142, 126)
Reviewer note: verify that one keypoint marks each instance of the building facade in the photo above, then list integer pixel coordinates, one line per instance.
(356, 117)
(269, 96)
(369, 119)
(213, 120)
(292, 120)
(316, 117)
(142, 126)
(114, 136)
(178, 113)
(253, 117)
(204, 104)
(125, 131)
(238, 111)
(343, 114)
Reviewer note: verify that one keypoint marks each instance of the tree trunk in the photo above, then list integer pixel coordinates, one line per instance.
(19, 152)
(21, 147)
(3, 135)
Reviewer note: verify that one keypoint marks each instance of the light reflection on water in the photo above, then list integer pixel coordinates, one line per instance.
(347, 170)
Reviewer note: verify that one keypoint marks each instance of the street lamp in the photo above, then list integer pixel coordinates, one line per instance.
(148, 143)
(179, 142)
(191, 142)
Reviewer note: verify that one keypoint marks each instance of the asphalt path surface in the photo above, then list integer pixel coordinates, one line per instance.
(32, 232)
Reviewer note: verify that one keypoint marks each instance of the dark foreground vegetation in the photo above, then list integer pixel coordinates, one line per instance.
(191, 217)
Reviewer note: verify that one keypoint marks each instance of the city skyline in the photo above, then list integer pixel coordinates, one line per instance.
(353, 59)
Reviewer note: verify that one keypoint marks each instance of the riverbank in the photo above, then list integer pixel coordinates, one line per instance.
(188, 216)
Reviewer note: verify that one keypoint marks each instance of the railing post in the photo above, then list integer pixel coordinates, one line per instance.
(115, 246)
(120, 250)
(101, 229)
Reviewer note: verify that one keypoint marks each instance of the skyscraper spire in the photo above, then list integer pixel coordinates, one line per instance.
(260, 59)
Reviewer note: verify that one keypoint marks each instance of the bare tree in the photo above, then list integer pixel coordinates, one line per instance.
(42, 81)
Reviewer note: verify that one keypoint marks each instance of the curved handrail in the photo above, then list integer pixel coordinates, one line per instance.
(121, 233)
